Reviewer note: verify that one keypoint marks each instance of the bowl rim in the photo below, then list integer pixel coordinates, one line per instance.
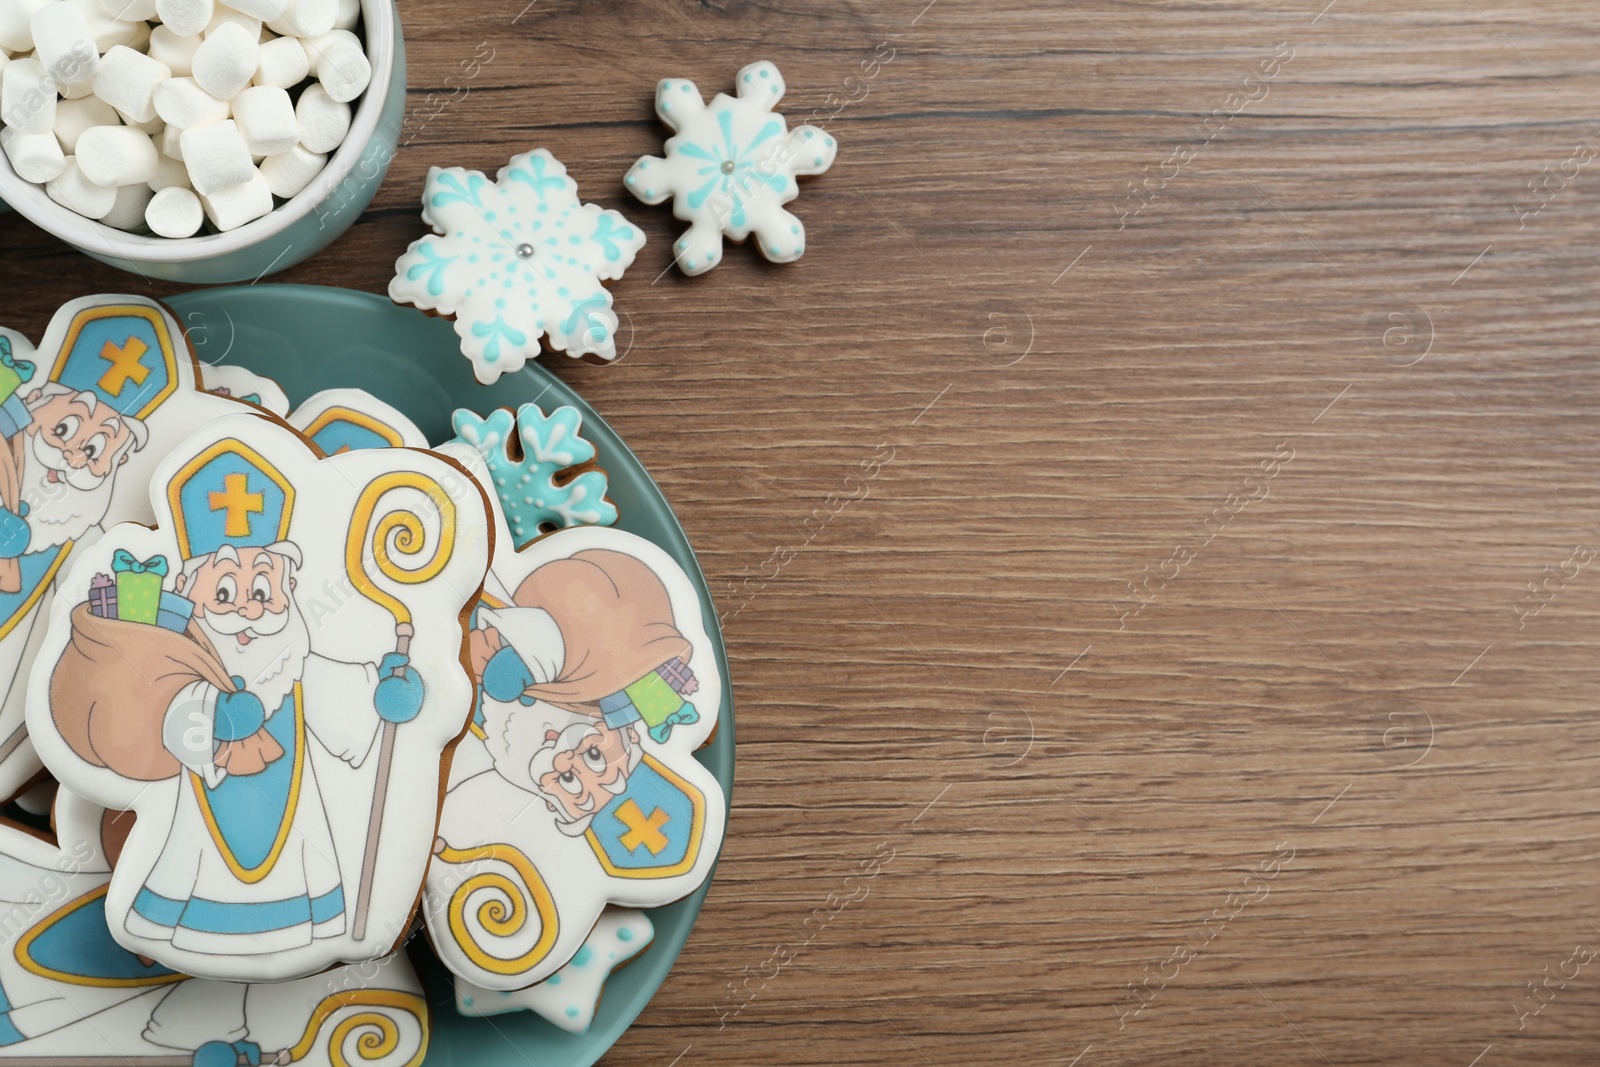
(382, 41)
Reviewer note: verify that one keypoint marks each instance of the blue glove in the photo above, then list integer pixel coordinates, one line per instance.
(238, 714)
(222, 1054)
(398, 697)
(13, 531)
(505, 676)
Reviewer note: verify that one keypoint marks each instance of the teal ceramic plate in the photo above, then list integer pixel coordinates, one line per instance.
(309, 338)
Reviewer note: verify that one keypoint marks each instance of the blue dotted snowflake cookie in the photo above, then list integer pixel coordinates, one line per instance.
(730, 168)
(517, 259)
(538, 492)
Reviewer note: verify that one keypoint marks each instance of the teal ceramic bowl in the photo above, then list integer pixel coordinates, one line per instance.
(300, 227)
(310, 338)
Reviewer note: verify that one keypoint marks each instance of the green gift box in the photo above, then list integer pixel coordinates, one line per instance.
(654, 698)
(13, 371)
(138, 586)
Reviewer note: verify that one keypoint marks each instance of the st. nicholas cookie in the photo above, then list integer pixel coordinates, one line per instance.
(270, 681)
(730, 167)
(345, 420)
(70, 995)
(85, 418)
(578, 785)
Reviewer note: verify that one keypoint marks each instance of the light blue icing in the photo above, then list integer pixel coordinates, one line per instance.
(528, 490)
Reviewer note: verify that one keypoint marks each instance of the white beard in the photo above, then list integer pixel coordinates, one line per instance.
(271, 665)
(58, 513)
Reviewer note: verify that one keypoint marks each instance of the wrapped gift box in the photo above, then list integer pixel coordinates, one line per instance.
(13, 372)
(103, 596)
(174, 612)
(138, 596)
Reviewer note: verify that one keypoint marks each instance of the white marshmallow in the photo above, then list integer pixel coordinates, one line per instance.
(265, 116)
(27, 96)
(181, 102)
(186, 17)
(154, 126)
(75, 116)
(127, 211)
(174, 51)
(342, 67)
(265, 10)
(231, 207)
(64, 42)
(317, 47)
(109, 30)
(217, 156)
(226, 60)
(289, 172)
(116, 155)
(36, 157)
(349, 15)
(174, 212)
(16, 24)
(284, 63)
(170, 142)
(129, 10)
(76, 92)
(323, 120)
(74, 192)
(170, 173)
(306, 18)
(127, 81)
(226, 15)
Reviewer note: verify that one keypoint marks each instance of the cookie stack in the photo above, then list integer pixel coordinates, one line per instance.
(317, 696)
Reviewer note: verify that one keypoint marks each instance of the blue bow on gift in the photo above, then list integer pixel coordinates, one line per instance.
(124, 560)
(684, 716)
(23, 367)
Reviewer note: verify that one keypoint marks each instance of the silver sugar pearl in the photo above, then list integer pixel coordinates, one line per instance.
(525, 251)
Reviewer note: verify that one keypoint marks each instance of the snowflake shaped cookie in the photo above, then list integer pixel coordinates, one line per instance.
(539, 492)
(516, 259)
(731, 167)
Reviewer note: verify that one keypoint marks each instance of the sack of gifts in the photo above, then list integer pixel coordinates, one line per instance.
(138, 596)
(14, 416)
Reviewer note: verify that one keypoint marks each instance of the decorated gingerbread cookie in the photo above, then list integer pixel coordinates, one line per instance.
(569, 997)
(515, 260)
(230, 379)
(578, 785)
(345, 420)
(730, 167)
(542, 468)
(71, 996)
(84, 419)
(269, 679)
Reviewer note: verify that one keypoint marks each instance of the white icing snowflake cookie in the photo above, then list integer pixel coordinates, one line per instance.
(731, 167)
(515, 260)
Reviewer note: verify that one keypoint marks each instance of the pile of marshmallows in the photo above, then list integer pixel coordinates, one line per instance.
(164, 113)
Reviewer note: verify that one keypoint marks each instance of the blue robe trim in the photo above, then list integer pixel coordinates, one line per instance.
(250, 808)
(78, 942)
(231, 917)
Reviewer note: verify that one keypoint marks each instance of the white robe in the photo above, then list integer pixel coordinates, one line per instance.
(198, 900)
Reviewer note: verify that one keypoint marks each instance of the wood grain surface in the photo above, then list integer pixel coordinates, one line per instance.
(1153, 524)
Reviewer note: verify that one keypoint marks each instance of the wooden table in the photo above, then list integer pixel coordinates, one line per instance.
(1152, 524)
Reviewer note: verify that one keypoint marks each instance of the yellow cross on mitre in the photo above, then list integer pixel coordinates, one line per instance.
(126, 365)
(238, 502)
